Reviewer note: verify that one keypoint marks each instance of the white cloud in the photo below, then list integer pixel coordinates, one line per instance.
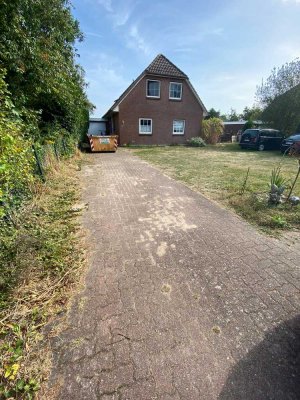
(118, 12)
(137, 42)
(121, 17)
(87, 33)
(107, 4)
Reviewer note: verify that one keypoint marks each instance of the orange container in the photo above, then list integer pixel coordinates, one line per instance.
(103, 143)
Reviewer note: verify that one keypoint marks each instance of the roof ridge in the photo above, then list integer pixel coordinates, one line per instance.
(164, 68)
(161, 65)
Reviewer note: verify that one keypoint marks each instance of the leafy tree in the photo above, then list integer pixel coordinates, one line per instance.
(233, 116)
(212, 129)
(280, 96)
(212, 113)
(284, 111)
(223, 117)
(42, 88)
(279, 82)
(37, 39)
(253, 113)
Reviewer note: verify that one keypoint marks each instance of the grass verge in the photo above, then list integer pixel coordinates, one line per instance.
(219, 173)
(42, 257)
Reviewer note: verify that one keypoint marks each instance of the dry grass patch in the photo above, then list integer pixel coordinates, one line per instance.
(219, 173)
(42, 257)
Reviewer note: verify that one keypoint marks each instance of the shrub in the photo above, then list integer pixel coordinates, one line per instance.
(277, 186)
(196, 142)
(16, 159)
(212, 129)
(279, 222)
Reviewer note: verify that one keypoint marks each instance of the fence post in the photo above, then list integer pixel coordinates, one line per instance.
(39, 164)
(56, 151)
(64, 146)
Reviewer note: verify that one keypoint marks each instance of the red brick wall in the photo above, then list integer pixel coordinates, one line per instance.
(162, 112)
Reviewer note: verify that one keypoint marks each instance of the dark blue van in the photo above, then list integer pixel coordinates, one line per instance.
(261, 139)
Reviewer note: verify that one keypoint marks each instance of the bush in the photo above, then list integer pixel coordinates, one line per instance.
(212, 129)
(196, 142)
(16, 158)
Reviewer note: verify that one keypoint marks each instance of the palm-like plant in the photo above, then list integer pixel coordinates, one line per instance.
(277, 186)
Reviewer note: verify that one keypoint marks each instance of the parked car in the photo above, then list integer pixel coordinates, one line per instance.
(261, 139)
(289, 141)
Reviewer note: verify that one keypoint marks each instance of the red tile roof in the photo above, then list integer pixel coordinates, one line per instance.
(162, 66)
(159, 66)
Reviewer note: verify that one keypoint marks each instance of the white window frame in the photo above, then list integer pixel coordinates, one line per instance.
(179, 133)
(153, 97)
(145, 133)
(175, 98)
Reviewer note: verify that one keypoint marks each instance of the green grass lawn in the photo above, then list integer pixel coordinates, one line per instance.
(219, 173)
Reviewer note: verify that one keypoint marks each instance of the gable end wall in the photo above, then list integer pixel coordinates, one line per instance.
(162, 112)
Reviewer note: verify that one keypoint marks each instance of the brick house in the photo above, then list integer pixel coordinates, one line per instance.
(159, 107)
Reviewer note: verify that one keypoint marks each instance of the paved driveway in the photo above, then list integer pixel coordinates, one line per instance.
(183, 299)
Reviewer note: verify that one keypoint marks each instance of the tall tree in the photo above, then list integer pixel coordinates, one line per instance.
(233, 116)
(280, 97)
(37, 39)
(284, 111)
(212, 113)
(280, 81)
(253, 113)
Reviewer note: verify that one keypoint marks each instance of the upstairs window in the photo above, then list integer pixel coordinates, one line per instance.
(145, 126)
(153, 89)
(175, 92)
(178, 126)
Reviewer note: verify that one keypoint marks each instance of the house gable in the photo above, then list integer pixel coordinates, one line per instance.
(159, 107)
(159, 67)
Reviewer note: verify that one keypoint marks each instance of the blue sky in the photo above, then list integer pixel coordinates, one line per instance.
(225, 47)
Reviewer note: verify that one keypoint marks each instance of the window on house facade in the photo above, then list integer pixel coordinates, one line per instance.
(153, 88)
(178, 127)
(145, 126)
(175, 92)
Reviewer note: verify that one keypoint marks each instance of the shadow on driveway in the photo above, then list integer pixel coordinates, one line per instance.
(271, 370)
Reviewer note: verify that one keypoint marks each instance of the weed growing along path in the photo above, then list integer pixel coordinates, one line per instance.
(41, 262)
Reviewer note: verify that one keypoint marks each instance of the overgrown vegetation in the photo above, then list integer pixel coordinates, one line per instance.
(212, 129)
(284, 112)
(221, 173)
(40, 258)
(16, 159)
(280, 81)
(280, 97)
(42, 90)
(37, 52)
(43, 112)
